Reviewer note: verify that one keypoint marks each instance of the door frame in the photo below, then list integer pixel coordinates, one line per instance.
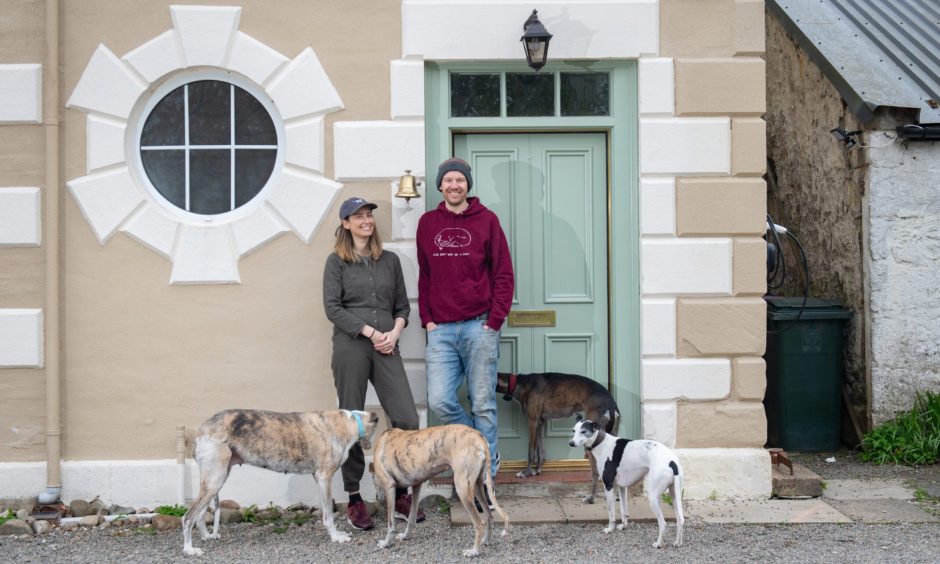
(623, 258)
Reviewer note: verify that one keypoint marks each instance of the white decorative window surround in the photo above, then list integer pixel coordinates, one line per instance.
(118, 94)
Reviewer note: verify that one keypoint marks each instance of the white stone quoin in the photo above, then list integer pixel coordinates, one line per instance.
(20, 217)
(21, 93)
(21, 338)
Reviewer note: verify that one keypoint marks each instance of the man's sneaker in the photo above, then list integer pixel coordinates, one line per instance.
(403, 509)
(357, 514)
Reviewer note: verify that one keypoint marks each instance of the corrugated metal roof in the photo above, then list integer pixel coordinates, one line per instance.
(876, 52)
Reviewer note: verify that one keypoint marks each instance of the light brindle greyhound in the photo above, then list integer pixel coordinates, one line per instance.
(409, 458)
(553, 395)
(311, 442)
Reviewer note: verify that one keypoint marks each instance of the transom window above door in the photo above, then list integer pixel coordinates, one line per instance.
(529, 94)
(208, 146)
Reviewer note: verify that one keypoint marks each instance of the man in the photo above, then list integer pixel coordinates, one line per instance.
(465, 289)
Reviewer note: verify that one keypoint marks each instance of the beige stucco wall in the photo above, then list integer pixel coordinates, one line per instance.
(22, 269)
(718, 47)
(142, 356)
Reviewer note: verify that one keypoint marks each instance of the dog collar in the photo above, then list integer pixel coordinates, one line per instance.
(597, 441)
(362, 428)
(510, 388)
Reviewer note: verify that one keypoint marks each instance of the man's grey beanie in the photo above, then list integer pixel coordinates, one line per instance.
(454, 164)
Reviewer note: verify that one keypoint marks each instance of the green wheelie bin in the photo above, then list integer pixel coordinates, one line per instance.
(804, 373)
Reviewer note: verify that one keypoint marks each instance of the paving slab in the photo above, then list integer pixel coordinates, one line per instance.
(576, 511)
(883, 511)
(866, 489)
(521, 511)
(763, 511)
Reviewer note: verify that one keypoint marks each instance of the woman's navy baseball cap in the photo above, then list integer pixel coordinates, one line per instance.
(352, 205)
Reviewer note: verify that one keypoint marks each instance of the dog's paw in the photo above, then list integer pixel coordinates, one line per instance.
(621, 526)
(608, 530)
(210, 536)
(471, 552)
(384, 544)
(588, 499)
(403, 536)
(657, 544)
(523, 474)
(505, 533)
(677, 544)
(340, 537)
(192, 551)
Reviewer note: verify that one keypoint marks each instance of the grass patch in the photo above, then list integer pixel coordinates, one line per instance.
(4, 517)
(667, 498)
(911, 438)
(713, 496)
(175, 510)
(145, 531)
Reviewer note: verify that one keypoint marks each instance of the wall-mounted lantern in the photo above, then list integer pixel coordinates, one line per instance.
(535, 40)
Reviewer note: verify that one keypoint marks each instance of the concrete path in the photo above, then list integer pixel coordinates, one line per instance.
(842, 501)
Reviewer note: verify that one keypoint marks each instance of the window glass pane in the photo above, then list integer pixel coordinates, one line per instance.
(164, 125)
(209, 181)
(166, 171)
(530, 94)
(253, 125)
(209, 113)
(252, 169)
(474, 95)
(585, 94)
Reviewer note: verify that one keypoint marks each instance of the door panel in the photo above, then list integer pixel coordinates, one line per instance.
(550, 193)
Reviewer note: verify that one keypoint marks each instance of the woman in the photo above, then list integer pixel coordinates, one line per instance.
(364, 296)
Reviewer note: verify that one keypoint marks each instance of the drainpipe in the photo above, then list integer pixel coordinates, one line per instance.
(181, 465)
(51, 127)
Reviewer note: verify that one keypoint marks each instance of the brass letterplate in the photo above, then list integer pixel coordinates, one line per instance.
(536, 318)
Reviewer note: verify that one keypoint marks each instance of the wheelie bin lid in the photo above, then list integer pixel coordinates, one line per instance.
(780, 308)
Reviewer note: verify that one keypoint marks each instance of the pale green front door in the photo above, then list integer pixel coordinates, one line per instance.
(550, 193)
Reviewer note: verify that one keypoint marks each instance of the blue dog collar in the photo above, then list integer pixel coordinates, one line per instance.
(362, 428)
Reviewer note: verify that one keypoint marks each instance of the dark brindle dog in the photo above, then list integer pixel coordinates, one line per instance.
(553, 395)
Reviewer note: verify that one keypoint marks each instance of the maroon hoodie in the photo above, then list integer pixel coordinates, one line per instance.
(465, 266)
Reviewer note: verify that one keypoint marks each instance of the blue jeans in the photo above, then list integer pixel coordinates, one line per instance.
(465, 352)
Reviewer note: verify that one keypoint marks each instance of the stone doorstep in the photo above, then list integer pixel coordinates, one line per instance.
(803, 483)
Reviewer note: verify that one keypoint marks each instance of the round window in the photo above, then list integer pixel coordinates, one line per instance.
(208, 147)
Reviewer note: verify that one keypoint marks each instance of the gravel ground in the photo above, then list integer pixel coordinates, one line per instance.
(436, 541)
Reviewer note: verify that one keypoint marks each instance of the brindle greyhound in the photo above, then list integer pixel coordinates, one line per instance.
(408, 458)
(300, 443)
(553, 395)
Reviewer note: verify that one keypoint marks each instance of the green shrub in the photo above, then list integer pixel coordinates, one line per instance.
(177, 510)
(913, 437)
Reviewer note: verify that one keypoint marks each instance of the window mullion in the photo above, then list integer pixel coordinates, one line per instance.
(186, 140)
(231, 160)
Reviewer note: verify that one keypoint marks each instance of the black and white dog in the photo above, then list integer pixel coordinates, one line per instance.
(622, 463)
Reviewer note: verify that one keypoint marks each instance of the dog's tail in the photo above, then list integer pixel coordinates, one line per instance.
(491, 492)
(611, 422)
